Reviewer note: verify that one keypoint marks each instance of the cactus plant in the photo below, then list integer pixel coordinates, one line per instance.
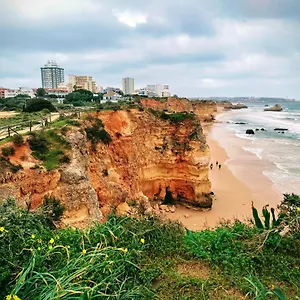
(267, 218)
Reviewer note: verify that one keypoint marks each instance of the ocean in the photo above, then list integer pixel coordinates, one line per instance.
(280, 151)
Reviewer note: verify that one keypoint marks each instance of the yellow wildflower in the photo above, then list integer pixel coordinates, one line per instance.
(33, 236)
(74, 228)
(68, 247)
(39, 248)
(51, 241)
(2, 229)
(143, 241)
(39, 241)
(50, 247)
(298, 208)
(12, 297)
(125, 250)
(83, 251)
(272, 287)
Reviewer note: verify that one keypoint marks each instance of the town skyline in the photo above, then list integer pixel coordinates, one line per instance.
(214, 49)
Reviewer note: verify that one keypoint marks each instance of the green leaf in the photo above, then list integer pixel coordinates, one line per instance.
(278, 292)
(257, 220)
(266, 215)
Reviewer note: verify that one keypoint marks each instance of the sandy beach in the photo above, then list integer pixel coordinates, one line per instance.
(239, 182)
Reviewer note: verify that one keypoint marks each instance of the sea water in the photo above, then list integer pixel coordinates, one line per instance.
(281, 149)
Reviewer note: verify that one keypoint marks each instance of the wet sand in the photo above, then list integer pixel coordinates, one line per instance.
(239, 182)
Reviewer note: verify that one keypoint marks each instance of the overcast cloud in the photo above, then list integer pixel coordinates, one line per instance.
(198, 47)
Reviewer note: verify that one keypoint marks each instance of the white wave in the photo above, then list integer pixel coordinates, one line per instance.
(257, 151)
(244, 136)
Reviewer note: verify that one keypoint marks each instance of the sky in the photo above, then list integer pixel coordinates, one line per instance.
(198, 47)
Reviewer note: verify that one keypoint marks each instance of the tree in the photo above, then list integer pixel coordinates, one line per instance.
(120, 93)
(22, 96)
(40, 92)
(38, 104)
(79, 96)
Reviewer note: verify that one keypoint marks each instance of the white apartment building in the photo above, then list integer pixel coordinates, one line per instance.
(166, 91)
(52, 75)
(159, 90)
(151, 88)
(11, 93)
(128, 86)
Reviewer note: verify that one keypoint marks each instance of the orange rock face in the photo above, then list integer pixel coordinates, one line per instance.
(147, 156)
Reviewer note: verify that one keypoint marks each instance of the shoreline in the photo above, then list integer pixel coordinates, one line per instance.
(238, 183)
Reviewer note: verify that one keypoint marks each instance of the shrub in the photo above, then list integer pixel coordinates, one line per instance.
(49, 147)
(65, 159)
(97, 133)
(173, 117)
(15, 168)
(38, 104)
(17, 140)
(5, 163)
(38, 143)
(52, 208)
(8, 151)
(181, 117)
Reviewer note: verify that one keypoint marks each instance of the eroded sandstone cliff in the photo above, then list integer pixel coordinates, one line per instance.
(148, 155)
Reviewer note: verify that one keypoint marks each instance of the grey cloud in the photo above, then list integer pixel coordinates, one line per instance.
(260, 8)
(94, 42)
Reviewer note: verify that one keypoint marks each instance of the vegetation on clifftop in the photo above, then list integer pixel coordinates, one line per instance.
(174, 118)
(49, 147)
(96, 132)
(147, 258)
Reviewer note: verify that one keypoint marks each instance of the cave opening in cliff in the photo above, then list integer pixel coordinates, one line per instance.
(168, 197)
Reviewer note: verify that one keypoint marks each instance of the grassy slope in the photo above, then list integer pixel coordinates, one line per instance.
(141, 259)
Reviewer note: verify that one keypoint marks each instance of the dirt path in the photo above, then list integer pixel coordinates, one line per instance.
(7, 114)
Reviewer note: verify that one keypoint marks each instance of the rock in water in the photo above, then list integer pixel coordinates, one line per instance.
(238, 106)
(276, 107)
(249, 131)
(280, 129)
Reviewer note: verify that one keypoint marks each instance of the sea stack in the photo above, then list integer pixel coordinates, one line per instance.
(276, 107)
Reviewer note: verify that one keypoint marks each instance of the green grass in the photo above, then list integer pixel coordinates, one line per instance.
(143, 258)
(19, 118)
(63, 122)
(49, 147)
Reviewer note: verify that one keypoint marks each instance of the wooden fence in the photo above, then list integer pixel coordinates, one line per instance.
(33, 125)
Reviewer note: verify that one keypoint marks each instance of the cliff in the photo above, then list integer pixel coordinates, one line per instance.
(149, 155)
(204, 110)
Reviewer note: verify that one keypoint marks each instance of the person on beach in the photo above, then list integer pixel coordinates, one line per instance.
(217, 163)
(219, 166)
(211, 166)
